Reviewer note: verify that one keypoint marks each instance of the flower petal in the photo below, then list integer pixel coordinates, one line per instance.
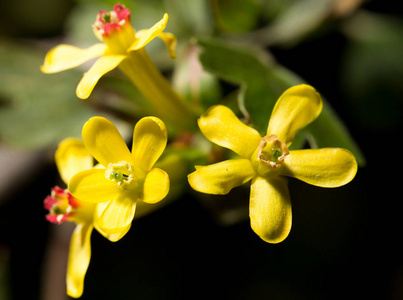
(92, 186)
(221, 126)
(156, 186)
(65, 57)
(170, 42)
(327, 167)
(104, 142)
(119, 213)
(113, 237)
(148, 35)
(102, 66)
(79, 259)
(149, 141)
(296, 108)
(221, 177)
(72, 157)
(270, 208)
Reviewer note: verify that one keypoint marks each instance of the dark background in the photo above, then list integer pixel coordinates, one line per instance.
(345, 242)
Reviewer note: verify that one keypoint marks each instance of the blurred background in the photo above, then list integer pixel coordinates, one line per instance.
(345, 242)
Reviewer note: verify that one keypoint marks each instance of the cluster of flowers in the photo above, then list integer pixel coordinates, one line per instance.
(105, 196)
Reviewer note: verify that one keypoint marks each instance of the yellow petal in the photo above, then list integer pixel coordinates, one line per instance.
(149, 141)
(296, 108)
(72, 157)
(221, 126)
(92, 186)
(79, 259)
(270, 208)
(65, 57)
(221, 177)
(148, 35)
(327, 167)
(170, 42)
(102, 66)
(156, 186)
(104, 142)
(113, 237)
(119, 213)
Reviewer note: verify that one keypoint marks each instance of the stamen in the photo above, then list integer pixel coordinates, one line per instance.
(272, 151)
(120, 173)
(60, 218)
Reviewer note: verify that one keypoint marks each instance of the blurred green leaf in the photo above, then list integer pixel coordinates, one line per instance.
(263, 81)
(273, 8)
(236, 15)
(27, 18)
(329, 131)
(37, 110)
(193, 83)
(373, 71)
(78, 28)
(189, 18)
(255, 70)
(120, 95)
(290, 22)
(300, 19)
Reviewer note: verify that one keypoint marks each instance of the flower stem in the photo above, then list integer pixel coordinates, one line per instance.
(168, 105)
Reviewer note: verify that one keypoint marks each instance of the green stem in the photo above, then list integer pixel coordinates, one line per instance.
(168, 105)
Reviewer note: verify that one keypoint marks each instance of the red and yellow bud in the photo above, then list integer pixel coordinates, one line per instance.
(114, 29)
(62, 206)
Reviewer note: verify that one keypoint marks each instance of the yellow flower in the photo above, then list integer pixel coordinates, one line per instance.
(72, 157)
(127, 176)
(267, 160)
(123, 47)
(119, 37)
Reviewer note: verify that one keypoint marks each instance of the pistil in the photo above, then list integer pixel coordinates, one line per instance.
(269, 155)
(123, 174)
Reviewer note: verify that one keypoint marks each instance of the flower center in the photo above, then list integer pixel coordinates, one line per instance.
(114, 29)
(108, 20)
(61, 205)
(270, 154)
(122, 174)
(108, 17)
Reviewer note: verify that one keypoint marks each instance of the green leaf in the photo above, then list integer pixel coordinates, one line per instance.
(188, 18)
(255, 70)
(329, 131)
(263, 81)
(297, 21)
(372, 71)
(38, 110)
(197, 86)
(236, 15)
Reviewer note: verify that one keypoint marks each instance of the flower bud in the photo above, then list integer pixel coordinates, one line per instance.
(114, 29)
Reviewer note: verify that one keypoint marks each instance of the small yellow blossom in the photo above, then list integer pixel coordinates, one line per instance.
(267, 160)
(127, 177)
(123, 47)
(72, 157)
(119, 40)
